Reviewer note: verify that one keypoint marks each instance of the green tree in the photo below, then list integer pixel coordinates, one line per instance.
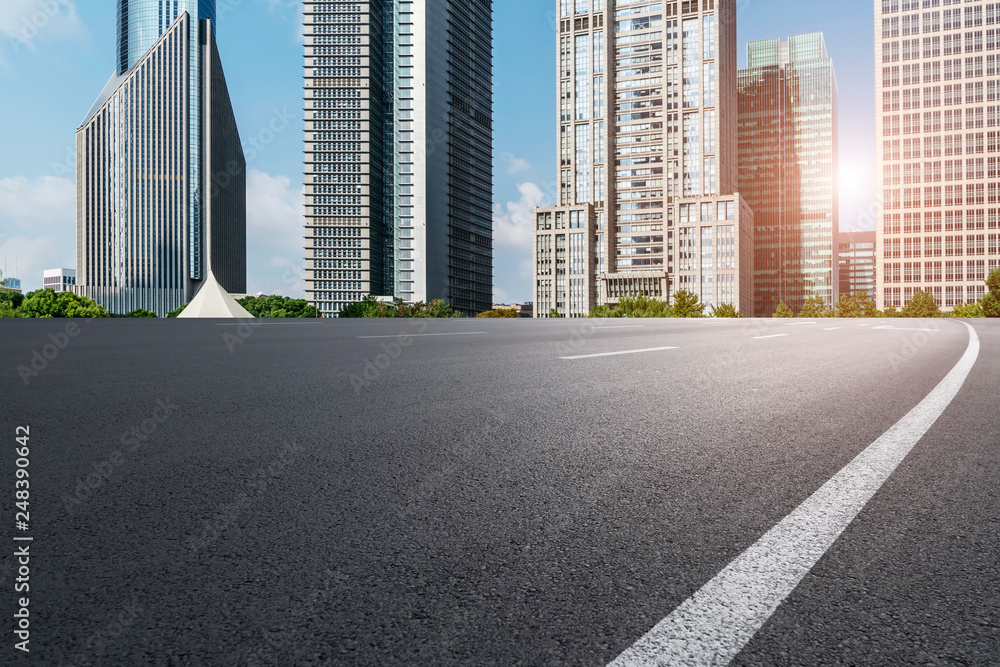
(857, 305)
(48, 303)
(554, 314)
(177, 311)
(139, 312)
(500, 312)
(642, 306)
(891, 311)
(814, 307)
(726, 310)
(784, 311)
(991, 301)
(367, 307)
(969, 310)
(604, 312)
(687, 304)
(10, 300)
(922, 305)
(370, 307)
(278, 307)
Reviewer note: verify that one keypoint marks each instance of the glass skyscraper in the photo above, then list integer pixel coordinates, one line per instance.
(398, 152)
(161, 183)
(788, 169)
(647, 159)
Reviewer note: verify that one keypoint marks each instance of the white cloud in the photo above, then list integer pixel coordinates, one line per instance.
(515, 164)
(24, 22)
(499, 296)
(275, 235)
(513, 223)
(38, 223)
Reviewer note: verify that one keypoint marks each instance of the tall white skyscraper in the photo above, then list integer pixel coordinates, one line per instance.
(398, 152)
(938, 140)
(647, 155)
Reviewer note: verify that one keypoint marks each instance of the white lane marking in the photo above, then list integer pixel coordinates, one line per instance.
(457, 333)
(713, 625)
(864, 325)
(831, 329)
(624, 326)
(772, 336)
(906, 329)
(615, 354)
(798, 324)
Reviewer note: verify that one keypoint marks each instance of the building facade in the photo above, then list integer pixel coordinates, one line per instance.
(59, 280)
(788, 137)
(161, 183)
(937, 89)
(398, 152)
(857, 263)
(646, 130)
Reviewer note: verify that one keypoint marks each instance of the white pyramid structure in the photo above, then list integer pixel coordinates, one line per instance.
(212, 301)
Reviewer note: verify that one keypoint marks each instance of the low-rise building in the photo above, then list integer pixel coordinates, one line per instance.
(857, 260)
(59, 280)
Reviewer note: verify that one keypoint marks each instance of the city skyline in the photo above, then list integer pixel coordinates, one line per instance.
(524, 147)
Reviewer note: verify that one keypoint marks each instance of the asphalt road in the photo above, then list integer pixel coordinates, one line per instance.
(487, 492)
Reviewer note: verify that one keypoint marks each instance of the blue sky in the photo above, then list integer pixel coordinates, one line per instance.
(56, 55)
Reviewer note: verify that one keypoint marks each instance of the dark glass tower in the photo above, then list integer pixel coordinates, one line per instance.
(398, 152)
(160, 169)
(788, 169)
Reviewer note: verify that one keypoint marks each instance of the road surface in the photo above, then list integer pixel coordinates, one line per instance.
(494, 492)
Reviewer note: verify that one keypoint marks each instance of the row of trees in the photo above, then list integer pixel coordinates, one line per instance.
(48, 303)
(370, 307)
(922, 305)
(686, 304)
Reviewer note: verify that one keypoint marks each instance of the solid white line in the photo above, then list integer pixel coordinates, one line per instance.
(713, 625)
(615, 354)
(457, 333)
(831, 329)
(773, 336)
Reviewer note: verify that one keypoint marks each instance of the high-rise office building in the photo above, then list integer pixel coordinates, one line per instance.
(937, 90)
(788, 169)
(161, 183)
(647, 159)
(398, 152)
(857, 263)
